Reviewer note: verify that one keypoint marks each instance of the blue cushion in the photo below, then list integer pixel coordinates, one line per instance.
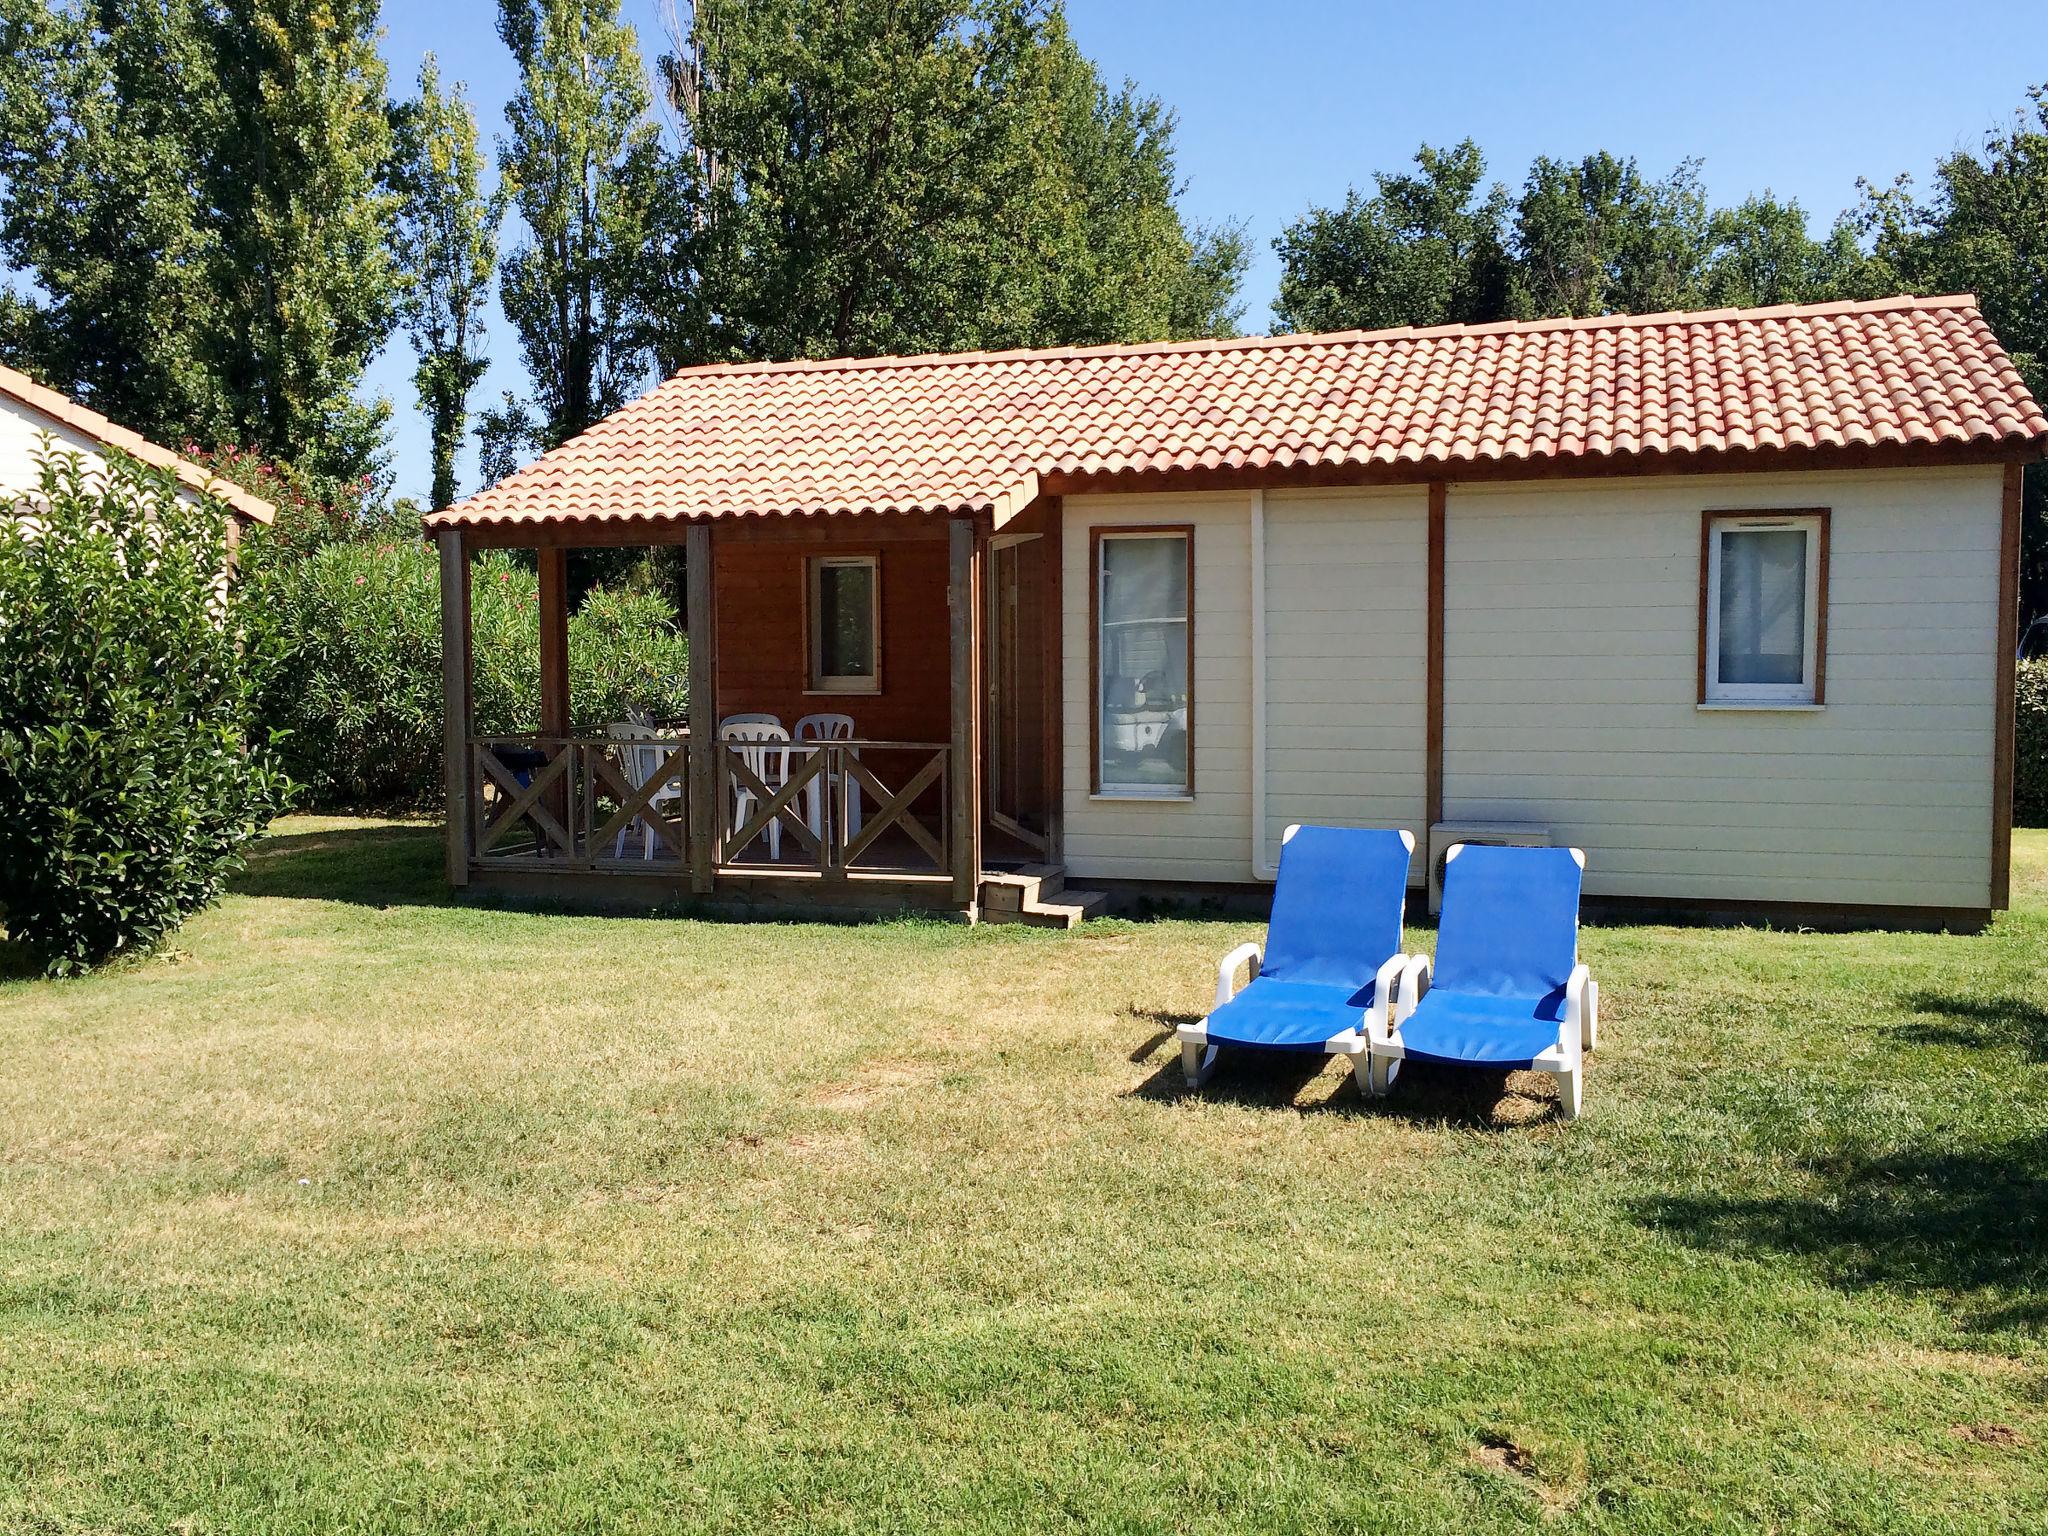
(1288, 1015)
(1336, 906)
(1510, 924)
(1478, 1031)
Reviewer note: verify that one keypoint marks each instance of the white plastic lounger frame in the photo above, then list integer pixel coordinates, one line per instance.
(1577, 1033)
(1198, 1055)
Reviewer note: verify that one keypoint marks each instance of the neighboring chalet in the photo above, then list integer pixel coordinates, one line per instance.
(1725, 599)
(29, 413)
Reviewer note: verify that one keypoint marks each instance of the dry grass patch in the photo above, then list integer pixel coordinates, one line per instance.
(586, 1244)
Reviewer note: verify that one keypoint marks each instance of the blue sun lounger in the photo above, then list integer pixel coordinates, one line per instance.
(1506, 991)
(1332, 954)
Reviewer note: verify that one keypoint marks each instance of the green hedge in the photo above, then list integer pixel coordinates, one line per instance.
(357, 627)
(131, 768)
(2030, 779)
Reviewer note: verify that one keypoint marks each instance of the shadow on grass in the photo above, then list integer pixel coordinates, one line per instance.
(1969, 1224)
(1252, 1079)
(1424, 1093)
(1165, 1022)
(369, 866)
(17, 962)
(1979, 1023)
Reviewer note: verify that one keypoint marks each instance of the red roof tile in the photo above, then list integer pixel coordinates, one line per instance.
(975, 432)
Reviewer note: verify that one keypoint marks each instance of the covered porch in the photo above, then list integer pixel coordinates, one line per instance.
(871, 722)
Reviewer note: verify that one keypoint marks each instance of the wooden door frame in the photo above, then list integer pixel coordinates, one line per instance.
(992, 736)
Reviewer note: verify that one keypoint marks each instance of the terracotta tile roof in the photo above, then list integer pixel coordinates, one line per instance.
(88, 423)
(981, 431)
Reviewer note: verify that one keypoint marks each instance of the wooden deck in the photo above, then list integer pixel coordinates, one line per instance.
(861, 825)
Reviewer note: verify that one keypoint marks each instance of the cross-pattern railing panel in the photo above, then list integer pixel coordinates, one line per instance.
(866, 808)
(847, 806)
(580, 803)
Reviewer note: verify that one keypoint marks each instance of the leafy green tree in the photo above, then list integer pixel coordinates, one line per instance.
(1983, 229)
(193, 187)
(1425, 249)
(304, 274)
(1761, 254)
(101, 108)
(446, 244)
(1599, 237)
(130, 763)
(865, 176)
(581, 169)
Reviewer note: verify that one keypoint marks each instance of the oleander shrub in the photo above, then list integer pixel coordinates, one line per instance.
(356, 688)
(2030, 777)
(626, 653)
(132, 770)
(357, 628)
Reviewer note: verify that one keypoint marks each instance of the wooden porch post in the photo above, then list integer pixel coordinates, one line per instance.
(705, 812)
(554, 642)
(455, 698)
(962, 566)
(554, 672)
(1053, 691)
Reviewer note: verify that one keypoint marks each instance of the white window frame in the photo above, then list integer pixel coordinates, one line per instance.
(816, 678)
(1804, 694)
(1105, 788)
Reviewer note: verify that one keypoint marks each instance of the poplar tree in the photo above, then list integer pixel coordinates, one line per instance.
(579, 168)
(303, 273)
(446, 244)
(193, 188)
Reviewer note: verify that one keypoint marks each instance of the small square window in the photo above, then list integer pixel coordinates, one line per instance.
(1763, 626)
(845, 624)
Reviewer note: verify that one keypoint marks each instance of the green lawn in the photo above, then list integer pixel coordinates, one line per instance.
(359, 1211)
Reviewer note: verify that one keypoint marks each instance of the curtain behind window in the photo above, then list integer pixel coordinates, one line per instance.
(1763, 606)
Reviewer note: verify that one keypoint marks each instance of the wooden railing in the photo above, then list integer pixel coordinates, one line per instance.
(572, 803)
(898, 787)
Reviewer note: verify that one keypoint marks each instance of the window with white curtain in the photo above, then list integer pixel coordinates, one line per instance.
(1143, 697)
(1763, 622)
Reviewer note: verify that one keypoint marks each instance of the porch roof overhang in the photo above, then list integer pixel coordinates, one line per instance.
(1891, 381)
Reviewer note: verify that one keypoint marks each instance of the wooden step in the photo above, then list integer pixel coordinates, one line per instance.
(1072, 909)
(1008, 892)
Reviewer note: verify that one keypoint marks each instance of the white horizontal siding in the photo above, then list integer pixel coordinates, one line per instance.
(1571, 648)
(22, 442)
(1347, 670)
(1209, 837)
(1346, 683)
(23, 434)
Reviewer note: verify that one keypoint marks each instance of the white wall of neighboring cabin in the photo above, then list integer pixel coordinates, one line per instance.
(1570, 680)
(22, 430)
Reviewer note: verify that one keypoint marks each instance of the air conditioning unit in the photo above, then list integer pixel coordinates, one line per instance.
(1443, 835)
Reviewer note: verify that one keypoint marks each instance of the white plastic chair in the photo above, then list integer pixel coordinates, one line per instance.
(764, 747)
(828, 728)
(641, 754)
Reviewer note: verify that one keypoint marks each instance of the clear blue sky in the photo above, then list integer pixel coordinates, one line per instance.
(1286, 103)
